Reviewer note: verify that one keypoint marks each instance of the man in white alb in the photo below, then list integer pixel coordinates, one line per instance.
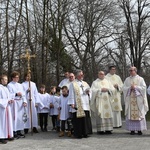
(116, 105)
(34, 103)
(65, 80)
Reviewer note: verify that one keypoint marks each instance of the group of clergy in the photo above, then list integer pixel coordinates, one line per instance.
(105, 99)
(19, 102)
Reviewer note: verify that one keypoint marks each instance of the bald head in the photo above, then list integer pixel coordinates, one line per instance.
(101, 74)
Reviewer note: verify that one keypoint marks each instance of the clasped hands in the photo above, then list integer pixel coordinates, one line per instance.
(104, 90)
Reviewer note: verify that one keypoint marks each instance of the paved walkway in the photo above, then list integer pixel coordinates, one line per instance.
(119, 140)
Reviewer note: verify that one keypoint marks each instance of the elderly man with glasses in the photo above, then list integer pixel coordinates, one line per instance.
(136, 105)
(79, 100)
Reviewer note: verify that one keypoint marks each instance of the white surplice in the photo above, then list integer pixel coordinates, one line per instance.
(116, 105)
(85, 98)
(64, 112)
(34, 100)
(17, 107)
(64, 82)
(6, 122)
(44, 106)
(56, 102)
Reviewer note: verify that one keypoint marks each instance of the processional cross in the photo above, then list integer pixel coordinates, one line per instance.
(28, 57)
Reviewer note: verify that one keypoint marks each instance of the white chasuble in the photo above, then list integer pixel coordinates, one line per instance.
(136, 105)
(115, 79)
(102, 101)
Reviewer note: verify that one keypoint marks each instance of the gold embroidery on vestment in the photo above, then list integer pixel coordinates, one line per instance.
(116, 100)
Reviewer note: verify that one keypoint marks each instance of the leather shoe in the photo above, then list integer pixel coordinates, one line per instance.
(2, 141)
(26, 131)
(35, 130)
(132, 132)
(140, 133)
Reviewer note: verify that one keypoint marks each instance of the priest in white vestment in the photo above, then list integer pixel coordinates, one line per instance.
(6, 122)
(101, 103)
(136, 105)
(116, 105)
(79, 99)
(34, 104)
(20, 102)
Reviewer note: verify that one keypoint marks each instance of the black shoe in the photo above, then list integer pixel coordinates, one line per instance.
(42, 129)
(78, 137)
(53, 128)
(10, 139)
(20, 135)
(132, 132)
(35, 130)
(2, 141)
(26, 131)
(100, 132)
(108, 132)
(16, 136)
(58, 129)
(85, 136)
(45, 129)
(140, 133)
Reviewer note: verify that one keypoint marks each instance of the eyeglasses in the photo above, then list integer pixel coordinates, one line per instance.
(131, 70)
(70, 76)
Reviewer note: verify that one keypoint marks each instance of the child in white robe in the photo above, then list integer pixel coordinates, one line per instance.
(54, 107)
(64, 111)
(43, 111)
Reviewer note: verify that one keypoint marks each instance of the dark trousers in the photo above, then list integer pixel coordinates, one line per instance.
(82, 126)
(63, 122)
(54, 120)
(43, 119)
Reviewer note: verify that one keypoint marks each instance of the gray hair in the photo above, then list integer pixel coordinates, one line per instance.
(77, 72)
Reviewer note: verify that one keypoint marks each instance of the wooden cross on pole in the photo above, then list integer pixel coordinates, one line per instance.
(27, 56)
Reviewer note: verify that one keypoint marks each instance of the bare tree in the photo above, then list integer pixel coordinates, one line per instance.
(136, 29)
(88, 31)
